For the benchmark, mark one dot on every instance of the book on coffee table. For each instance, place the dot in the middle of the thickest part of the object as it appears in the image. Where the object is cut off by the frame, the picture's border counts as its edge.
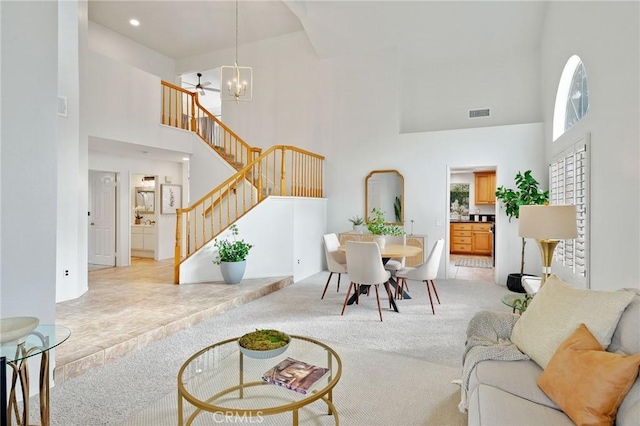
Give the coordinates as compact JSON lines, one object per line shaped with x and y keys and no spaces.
{"x":296,"y":375}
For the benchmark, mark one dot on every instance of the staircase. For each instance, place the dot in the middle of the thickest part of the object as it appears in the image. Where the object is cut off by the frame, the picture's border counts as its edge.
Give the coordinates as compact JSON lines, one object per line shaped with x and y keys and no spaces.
{"x":281,"y":170}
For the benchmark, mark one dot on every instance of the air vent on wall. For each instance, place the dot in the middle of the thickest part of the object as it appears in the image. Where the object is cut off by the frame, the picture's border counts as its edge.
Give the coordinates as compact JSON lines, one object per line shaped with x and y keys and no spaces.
{"x":478,"y":113}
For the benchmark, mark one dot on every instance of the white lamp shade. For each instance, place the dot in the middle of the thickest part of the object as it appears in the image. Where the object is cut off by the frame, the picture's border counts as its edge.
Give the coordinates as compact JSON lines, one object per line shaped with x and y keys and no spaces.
{"x":548,"y":222}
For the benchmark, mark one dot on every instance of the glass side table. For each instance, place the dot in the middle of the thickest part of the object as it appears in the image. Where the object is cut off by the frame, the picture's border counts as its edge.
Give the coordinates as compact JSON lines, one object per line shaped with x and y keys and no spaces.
{"x":517,"y":301}
{"x":39,"y":342}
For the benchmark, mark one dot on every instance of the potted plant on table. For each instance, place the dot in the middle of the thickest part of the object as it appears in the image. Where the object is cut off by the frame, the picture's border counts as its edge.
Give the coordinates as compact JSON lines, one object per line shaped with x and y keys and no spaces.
{"x":526,"y":193}
{"x":357,"y":222}
{"x":378,"y":226}
{"x":232,"y":257}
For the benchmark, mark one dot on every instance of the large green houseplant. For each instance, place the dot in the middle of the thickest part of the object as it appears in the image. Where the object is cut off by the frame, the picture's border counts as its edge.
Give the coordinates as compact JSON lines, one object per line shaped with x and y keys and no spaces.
{"x":526,"y":193}
{"x":232,"y":256}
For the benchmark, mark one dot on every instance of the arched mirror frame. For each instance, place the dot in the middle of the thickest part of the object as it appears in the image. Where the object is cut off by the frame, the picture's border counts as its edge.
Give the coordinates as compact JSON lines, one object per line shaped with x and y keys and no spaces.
{"x":391,"y":213}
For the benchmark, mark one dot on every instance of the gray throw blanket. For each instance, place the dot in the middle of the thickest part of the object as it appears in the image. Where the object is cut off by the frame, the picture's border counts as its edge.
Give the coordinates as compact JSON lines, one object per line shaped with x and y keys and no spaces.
{"x":488,"y":336}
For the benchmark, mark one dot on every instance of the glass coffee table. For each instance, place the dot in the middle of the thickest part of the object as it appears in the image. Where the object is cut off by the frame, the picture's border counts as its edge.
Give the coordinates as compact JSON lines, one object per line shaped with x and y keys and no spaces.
{"x":220,"y":383}
{"x":517,"y":301}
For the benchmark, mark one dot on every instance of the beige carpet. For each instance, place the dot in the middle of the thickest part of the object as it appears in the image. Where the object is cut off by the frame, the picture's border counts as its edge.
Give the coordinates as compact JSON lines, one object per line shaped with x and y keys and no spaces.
{"x":376,"y":388}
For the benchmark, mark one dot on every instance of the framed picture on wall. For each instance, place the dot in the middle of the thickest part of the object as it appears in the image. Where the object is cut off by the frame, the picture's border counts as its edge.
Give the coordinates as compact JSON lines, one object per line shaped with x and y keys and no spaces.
{"x":171,"y":198}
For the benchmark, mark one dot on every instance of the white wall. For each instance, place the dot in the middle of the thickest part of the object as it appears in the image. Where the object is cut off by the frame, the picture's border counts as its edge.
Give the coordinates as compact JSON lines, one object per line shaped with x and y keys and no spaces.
{"x":28,"y":168}
{"x":165,"y":223}
{"x":72,"y":151}
{"x":607,"y":38}
{"x":438,"y":95}
{"x":206,"y":170}
{"x":29,"y":51}
{"x":127,"y":51}
{"x":125,"y":105}
{"x":277,"y":247}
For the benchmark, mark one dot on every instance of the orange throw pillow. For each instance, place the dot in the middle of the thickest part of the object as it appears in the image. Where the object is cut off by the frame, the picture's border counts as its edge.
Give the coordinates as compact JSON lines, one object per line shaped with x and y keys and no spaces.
{"x":587,"y":382}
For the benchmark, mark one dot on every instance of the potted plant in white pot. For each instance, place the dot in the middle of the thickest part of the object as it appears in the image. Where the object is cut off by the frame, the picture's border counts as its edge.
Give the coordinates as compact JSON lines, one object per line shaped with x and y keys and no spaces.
{"x":357,"y":222}
{"x":526,"y":193}
{"x":378,"y":226}
{"x":232,"y":257}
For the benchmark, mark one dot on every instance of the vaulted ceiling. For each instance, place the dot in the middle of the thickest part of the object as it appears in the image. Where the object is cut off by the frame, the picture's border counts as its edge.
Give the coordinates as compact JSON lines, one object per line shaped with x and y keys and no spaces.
{"x":180,"y":29}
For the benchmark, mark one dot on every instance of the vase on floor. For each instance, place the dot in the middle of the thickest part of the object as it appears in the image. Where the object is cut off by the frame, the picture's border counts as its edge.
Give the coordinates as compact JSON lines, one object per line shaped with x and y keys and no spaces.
{"x":232,"y":272}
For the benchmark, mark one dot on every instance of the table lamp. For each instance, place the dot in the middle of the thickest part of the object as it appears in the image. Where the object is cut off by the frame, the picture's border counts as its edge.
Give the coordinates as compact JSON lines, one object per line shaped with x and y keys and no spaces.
{"x":548,"y":225}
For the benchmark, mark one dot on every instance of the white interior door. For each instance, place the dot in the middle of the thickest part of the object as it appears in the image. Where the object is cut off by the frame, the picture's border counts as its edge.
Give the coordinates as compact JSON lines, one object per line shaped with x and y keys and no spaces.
{"x":102,"y":218}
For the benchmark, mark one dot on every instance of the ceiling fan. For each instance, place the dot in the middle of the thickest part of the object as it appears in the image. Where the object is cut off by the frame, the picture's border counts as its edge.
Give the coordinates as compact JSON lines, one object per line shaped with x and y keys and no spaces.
{"x":201,"y":87}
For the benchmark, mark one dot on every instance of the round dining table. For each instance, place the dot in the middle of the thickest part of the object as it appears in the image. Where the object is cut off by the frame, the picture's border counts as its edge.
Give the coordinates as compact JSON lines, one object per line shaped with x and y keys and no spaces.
{"x":387,"y":252}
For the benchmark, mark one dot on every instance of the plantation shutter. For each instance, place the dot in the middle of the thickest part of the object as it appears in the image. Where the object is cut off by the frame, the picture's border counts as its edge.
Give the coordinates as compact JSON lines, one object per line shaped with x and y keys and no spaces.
{"x":569,"y":178}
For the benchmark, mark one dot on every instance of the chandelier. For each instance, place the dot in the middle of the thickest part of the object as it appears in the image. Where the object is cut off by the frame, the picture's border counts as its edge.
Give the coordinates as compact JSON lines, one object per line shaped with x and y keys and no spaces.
{"x":239,"y":86}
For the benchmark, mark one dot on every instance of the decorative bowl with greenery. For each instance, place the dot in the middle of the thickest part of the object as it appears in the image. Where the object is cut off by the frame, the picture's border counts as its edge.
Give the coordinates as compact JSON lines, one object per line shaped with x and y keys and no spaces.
{"x":377,"y":224}
{"x":231,"y":250}
{"x":264,"y":343}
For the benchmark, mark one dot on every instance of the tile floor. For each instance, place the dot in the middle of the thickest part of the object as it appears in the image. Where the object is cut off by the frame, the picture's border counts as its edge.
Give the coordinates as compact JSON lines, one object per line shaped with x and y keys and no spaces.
{"x":131,"y":307}
{"x":466,"y":273}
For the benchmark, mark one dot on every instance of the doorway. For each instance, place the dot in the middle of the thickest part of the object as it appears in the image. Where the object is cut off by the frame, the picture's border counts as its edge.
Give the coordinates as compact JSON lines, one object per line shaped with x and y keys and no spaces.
{"x":102,"y":219}
{"x":471,"y":212}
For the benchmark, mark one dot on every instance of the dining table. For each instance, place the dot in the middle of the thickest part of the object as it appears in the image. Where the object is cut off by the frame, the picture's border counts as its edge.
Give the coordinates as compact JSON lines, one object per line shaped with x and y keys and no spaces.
{"x":388,"y":251}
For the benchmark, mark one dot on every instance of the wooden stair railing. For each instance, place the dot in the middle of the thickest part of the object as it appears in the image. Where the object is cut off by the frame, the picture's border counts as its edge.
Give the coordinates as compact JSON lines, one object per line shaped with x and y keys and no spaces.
{"x":281,"y":170}
{"x":181,"y":108}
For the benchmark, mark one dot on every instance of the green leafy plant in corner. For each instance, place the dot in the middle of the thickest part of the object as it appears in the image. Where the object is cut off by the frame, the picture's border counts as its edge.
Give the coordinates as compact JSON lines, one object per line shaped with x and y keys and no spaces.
{"x":377,"y":224}
{"x":231,"y":250}
{"x":526,"y":193}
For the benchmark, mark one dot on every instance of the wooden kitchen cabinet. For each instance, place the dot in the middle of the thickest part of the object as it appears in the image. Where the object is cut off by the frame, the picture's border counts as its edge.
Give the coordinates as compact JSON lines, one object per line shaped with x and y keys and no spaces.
{"x":471,"y":238}
{"x":485,"y":188}
{"x":481,"y":238}
{"x":460,"y":236}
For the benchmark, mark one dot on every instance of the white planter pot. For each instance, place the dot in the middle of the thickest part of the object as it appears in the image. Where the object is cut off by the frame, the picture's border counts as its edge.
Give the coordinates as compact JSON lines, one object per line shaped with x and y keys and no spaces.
{"x":381,"y":241}
{"x":233,"y":271}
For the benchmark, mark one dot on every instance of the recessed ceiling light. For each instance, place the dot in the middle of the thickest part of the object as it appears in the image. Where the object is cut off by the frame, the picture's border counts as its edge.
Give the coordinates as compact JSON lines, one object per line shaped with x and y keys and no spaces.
{"x":185,"y":158}
{"x":134,"y":22}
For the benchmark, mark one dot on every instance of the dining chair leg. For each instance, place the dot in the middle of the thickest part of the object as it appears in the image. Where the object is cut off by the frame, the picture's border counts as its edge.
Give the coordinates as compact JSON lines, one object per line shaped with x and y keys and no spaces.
{"x":435,"y":291}
{"x":346,"y":299}
{"x":327,"y":284}
{"x":338,"y":288}
{"x":430,"y":299}
{"x":396,"y":292}
{"x":387,"y":287}
{"x":357,"y":288}
{"x":378,"y":299}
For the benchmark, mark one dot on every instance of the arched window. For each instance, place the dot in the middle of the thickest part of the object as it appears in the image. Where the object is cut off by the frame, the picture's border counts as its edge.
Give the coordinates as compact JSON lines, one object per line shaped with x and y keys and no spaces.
{"x":572,"y":99}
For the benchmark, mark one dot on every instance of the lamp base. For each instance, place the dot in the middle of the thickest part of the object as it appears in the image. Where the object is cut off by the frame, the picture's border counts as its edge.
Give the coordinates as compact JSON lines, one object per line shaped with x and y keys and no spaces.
{"x":546,"y":250}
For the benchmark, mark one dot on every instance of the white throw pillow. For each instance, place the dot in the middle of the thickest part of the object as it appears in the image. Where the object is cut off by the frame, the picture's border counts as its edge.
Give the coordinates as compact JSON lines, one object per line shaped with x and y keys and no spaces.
{"x":558,"y":309}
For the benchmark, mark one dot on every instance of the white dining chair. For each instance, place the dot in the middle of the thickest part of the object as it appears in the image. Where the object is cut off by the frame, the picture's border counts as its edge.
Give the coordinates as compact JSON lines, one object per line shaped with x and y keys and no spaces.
{"x":426,"y":272}
{"x":365,"y":268}
{"x":336,"y":260}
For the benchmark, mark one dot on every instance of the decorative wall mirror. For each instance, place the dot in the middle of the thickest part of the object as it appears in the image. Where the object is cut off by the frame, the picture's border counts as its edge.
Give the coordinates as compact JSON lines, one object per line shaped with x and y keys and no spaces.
{"x":384,"y":189}
{"x":145,"y":199}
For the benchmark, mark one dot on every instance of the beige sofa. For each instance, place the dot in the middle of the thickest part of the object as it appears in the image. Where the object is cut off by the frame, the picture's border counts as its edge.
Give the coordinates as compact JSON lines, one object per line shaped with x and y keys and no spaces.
{"x":506,"y":392}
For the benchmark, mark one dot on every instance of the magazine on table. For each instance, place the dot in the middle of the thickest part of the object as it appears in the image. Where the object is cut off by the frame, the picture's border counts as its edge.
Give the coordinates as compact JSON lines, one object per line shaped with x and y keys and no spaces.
{"x":295,"y":375}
